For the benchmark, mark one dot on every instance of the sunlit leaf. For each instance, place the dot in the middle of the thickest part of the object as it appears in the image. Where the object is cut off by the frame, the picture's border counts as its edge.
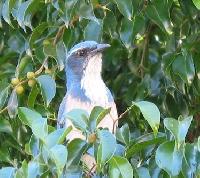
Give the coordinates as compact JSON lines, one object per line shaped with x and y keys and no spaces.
{"x":106,"y":148}
{"x":125,"y":7}
{"x":48,"y":87}
{"x":120,"y":167}
{"x":167,"y":153}
{"x":151,"y":113}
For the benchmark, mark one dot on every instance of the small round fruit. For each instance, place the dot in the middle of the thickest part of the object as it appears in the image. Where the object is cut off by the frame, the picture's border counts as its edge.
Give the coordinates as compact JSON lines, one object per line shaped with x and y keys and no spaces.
{"x":19,"y":89}
{"x":15,"y":81}
{"x":47,"y":71}
{"x":30,"y":75}
{"x":92,"y":138}
{"x":31,"y":83}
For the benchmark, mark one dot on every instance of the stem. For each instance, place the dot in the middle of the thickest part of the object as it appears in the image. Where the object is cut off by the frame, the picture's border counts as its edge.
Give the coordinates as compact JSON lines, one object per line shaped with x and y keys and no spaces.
{"x":59,"y":34}
{"x":4,"y":109}
{"x":42,"y":66}
{"x":121,"y":116}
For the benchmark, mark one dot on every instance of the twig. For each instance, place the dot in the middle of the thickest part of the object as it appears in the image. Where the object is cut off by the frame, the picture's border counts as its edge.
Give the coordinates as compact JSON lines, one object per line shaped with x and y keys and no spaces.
{"x":59,"y":34}
{"x":90,"y":171}
{"x":42,"y":66}
{"x":4,"y":109}
{"x":122,"y":115}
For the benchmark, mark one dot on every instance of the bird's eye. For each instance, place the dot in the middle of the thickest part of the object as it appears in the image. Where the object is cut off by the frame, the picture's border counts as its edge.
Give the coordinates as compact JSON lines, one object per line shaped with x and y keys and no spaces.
{"x":82,"y":53}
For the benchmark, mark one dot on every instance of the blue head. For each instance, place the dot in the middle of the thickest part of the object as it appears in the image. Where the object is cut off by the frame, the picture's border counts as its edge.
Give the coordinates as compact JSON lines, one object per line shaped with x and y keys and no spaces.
{"x":84,"y":59}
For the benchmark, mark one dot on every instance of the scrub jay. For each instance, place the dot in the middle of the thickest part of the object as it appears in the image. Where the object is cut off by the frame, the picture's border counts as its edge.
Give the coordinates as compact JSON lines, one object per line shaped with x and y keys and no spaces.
{"x":85,"y":86}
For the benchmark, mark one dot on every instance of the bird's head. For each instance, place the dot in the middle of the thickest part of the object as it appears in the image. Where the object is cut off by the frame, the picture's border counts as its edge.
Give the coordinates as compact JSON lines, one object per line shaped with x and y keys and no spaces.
{"x":85,"y":58}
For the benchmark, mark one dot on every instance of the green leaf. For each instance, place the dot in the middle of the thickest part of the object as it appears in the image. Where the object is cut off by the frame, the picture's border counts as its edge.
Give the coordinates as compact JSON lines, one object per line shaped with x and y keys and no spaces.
{"x":123,"y":134}
{"x":21,"y":13}
{"x":79,"y":118}
{"x":35,"y":121}
{"x":106,"y":148}
{"x":184,"y":67}
{"x":57,"y":137}
{"x":12,"y":104}
{"x":151,"y":113}
{"x":49,"y":48}
{"x":61,"y":54}
{"x":196,"y":3}
{"x":143,"y":172}
{"x":190,"y":160}
{"x":178,"y":128}
{"x":97,"y":114}
{"x":32,"y":147}
{"x":37,"y":32}
{"x":27,"y":116}
{"x":93,"y":31}
{"x":110,"y":19}
{"x":142,"y":144}
{"x":33,"y":169}
{"x":76,"y":148}
{"x":48,"y":87}
{"x":125,"y":7}
{"x":5,"y":126}
{"x":32,"y":96}
{"x":85,"y":10}
{"x":120,"y":167}
{"x":3,"y":96}
{"x":126,"y":32}
{"x":158,"y":12}
{"x":6,"y":10}
{"x":39,"y":128}
{"x":168,"y":158}
{"x":7,"y":172}
{"x":59,"y":154}
{"x":65,"y":9}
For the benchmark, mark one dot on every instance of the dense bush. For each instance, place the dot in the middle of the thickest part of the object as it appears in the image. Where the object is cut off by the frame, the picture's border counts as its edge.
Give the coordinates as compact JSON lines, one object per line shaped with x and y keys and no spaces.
{"x":154,"y":57}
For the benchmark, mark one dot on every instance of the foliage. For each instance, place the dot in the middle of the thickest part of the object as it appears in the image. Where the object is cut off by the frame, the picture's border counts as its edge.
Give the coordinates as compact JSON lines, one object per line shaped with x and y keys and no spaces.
{"x":154,"y":57}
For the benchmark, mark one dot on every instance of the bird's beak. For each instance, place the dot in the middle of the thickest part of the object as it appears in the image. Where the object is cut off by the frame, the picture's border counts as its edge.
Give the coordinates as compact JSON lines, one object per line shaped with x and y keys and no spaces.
{"x":100,"y":48}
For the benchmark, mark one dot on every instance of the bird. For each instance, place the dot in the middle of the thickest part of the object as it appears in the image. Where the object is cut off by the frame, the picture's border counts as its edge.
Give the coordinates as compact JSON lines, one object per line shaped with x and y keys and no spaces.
{"x":85,"y":87}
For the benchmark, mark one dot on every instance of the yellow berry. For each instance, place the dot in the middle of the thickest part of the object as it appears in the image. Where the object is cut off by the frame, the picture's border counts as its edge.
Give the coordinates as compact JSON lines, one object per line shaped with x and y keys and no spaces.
{"x":47,"y":71}
{"x":30,"y":75}
{"x":46,"y":42}
{"x":92,"y":138}
{"x":19,"y":89}
{"x":31,"y":82}
{"x":15,"y":81}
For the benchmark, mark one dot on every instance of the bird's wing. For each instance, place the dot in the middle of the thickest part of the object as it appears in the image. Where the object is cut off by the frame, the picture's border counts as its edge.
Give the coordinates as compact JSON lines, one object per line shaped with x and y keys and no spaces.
{"x":60,"y":118}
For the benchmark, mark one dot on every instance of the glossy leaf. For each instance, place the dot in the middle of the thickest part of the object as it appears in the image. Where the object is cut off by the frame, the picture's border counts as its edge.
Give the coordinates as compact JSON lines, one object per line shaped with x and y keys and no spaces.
{"x":196,"y":3}
{"x":79,"y":118}
{"x":167,"y":153}
{"x":106,"y":148}
{"x":48,"y":87}
{"x":57,"y":137}
{"x":7,"y":172}
{"x":6,"y":10}
{"x":178,"y":128}
{"x":59,"y":155}
{"x":97,"y":114}
{"x":93,"y":31}
{"x":151,"y":113}
{"x":27,"y":116}
{"x":158,"y":12}
{"x":120,"y":167}
{"x":123,"y":134}
{"x":3,"y":97}
{"x":5,"y":126}
{"x":125,"y":7}
{"x":12,"y":104}
{"x":190,"y":160}
{"x":76,"y":148}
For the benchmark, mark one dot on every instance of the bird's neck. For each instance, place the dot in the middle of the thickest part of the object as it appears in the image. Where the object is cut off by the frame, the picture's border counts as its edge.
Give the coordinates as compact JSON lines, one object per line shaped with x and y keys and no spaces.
{"x":91,"y":76}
